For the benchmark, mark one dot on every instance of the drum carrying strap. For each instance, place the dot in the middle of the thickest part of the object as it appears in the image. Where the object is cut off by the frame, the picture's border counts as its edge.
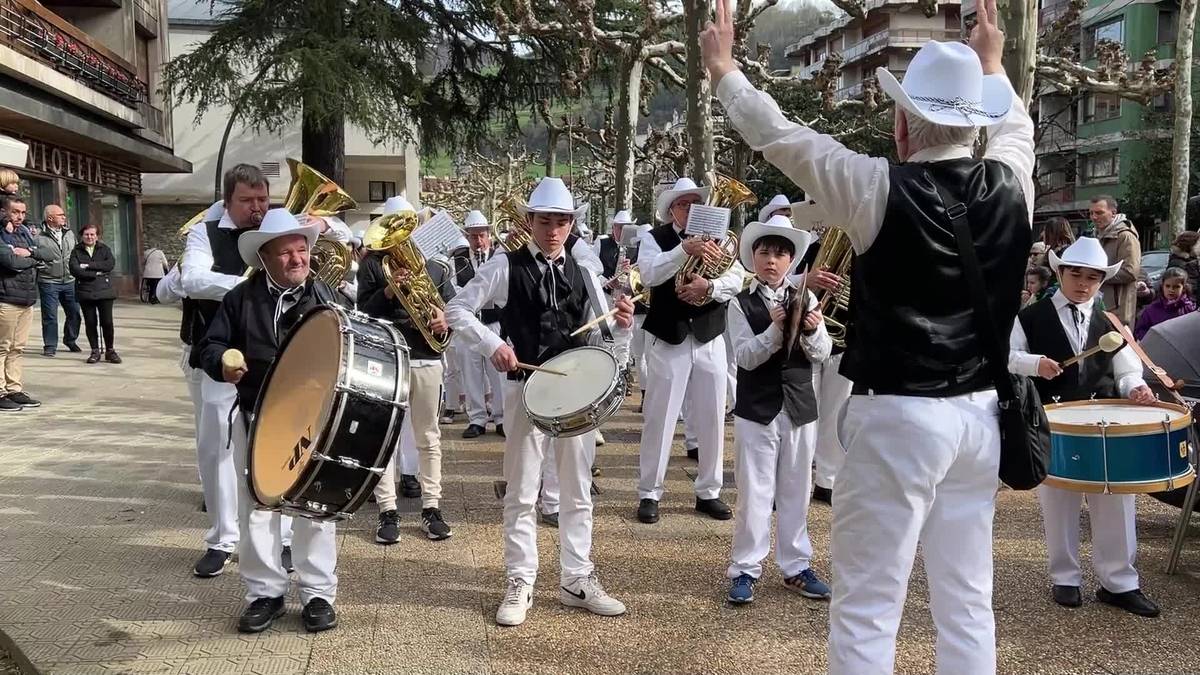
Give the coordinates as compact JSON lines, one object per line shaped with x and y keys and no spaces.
{"x":1164,"y":379}
{"x":594,"y":296}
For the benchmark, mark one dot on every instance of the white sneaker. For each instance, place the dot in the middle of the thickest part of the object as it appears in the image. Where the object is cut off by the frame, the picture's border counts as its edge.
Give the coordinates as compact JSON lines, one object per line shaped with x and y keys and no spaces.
{"x":586,"y":592}
{"x":599,"y":438}
{"x":518,"y":598}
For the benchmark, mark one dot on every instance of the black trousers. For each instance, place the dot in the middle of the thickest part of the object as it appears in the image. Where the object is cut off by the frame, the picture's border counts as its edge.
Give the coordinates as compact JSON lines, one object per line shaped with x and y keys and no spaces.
{"x":98,"y":312}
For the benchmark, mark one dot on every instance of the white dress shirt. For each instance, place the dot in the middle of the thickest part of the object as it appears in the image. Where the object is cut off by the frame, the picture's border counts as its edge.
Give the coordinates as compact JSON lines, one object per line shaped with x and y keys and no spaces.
{"x":1127,"y":369}
{"x":170,"y":288}
{"x":853,"y":188}
{"x":658,"y":267}
{"x":751,"y":351}
{"x":490,"y":287}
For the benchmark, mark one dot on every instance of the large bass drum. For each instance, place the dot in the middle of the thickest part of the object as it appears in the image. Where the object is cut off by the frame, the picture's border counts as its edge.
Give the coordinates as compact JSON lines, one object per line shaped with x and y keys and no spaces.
{"x":326,"y":423}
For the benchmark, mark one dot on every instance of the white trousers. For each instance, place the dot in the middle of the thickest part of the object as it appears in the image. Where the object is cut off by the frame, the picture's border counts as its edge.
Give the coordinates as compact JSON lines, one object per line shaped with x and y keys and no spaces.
{"x":454,"y":389}
{"x":918,"y":471}
{"x":695,"y":372}
{"x":833,"y":391}
{"x":219,"y":478}
{"x":421,"y":421}
{"x":550,"y":488}
{"x":479,"y":377}
{"x":525,"y":450}
{"x":1114,"y":537}
{"x":637,"y":348}
{"x":731,"y":373}
{"x":192,"y":378}
{"x":772,"y":463}
{"x":314,"y":546}
{"x":689,"y":427}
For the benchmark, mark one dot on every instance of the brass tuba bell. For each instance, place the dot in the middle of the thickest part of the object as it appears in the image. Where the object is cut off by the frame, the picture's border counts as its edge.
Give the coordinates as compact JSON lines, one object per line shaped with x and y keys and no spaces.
{"x":730,"y":194}
{"x":418,"y":294}
{"x":835,"y":255}
{"x":312,"y":194}
{"x":511,"y":228}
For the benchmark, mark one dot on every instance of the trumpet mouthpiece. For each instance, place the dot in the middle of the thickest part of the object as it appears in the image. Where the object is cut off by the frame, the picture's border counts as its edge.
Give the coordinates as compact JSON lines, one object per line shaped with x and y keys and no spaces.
{"x":1111,"y":341}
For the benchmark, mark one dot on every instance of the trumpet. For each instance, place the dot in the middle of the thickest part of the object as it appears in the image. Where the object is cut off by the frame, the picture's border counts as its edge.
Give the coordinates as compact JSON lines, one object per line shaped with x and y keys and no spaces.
{"x":727,"y":193}
{"x":510,"y":227}
{"x":417,"y":294}
{"x":312,"y":194}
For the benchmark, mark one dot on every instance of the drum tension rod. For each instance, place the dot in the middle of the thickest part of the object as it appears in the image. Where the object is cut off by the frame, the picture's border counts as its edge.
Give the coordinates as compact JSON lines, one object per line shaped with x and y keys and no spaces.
{"x":1166,"y":425}
{"x":1104,"y":449}
{"x":348,"y":462}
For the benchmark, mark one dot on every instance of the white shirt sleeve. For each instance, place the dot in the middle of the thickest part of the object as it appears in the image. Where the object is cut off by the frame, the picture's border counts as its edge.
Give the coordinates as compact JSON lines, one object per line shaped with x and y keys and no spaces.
{"x":338,"y":230}
{"x":1020,"y":361}
{"x":1011,"y":142}
{"x":169,"y":290}
{"x":655,"y":266}
{"x":586,"y":258}
{"x":489,"y":287}
{"x":195,"y":269}
{"x":749,"y":350}
{"x":1127,"y":370}
{"x":852,"y":188}
{"x":726,"y":286}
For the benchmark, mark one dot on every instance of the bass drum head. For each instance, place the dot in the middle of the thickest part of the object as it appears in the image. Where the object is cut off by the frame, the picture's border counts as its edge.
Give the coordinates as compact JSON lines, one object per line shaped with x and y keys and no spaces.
{"x":295,"y":405}
{"x":590,"y":371}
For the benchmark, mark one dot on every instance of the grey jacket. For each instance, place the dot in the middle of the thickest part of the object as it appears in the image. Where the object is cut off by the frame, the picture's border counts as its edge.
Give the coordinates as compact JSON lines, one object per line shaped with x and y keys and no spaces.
{"x":57,"y":271}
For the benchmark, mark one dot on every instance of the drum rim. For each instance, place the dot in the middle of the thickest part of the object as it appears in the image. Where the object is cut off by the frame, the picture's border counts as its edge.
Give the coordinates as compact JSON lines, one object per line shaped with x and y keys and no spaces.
{"x":1182,"y":479}
{"x":1070,"y":429}
{"x":614,"y":383}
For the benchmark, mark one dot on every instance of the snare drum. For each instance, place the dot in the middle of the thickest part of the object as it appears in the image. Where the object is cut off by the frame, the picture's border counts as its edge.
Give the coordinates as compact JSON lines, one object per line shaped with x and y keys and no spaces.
{"x":330,"y":411}
{"x":590,"y":393}
{"x":1114,"y":446}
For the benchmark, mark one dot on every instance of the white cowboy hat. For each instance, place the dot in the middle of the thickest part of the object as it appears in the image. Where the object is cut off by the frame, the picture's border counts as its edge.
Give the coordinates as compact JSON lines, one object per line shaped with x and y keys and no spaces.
{"x":475,"y":219}
{"x":277,"y":223}
{"x":397,"y":204}
{"x":684,"y":186}
{"x":945,"y":84}
{"x":775,"y":225}
{"x":622,"y":217}
{"x":1085,"y":252}
{"x":552,"y":196}
{"x":777,"y":202}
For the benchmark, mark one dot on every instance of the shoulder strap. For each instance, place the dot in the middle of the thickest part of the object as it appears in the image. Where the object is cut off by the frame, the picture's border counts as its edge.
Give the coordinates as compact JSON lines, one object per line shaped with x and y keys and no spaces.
{"x":985,"y":328}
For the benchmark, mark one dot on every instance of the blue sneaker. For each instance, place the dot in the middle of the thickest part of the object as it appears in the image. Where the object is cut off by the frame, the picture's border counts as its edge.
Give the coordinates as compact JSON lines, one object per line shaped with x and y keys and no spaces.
{"x":741,"y":589}
{"x":807,"y":584}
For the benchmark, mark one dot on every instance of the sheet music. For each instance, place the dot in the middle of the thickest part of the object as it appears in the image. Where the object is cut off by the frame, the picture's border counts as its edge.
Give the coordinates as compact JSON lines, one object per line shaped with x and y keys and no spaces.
{"x":438,"y":235}
{"x":708,"y":220}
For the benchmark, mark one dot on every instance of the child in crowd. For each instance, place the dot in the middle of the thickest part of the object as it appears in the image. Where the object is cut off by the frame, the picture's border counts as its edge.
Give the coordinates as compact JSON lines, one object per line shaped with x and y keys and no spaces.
{"x":1174,"y":298}
{"x":1037,"y":285}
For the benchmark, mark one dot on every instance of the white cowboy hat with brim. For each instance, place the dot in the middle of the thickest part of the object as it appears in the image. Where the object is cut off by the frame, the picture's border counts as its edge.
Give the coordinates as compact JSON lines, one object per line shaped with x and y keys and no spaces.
{"x":397,"y":204}
{"x":277,"y":223}
{"x":945,"y":84}
{"x":552,"y":196}
{"x":1085,"y":252}
{"x":683,"y":187}
{"x":778,"y":226}
{"x":622,"y":217}
{"x":475,"y":220}
{"x":777,"y":202}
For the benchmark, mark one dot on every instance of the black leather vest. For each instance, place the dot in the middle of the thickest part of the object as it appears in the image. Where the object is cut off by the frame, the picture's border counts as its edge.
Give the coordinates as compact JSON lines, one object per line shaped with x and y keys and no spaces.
{"x":671,"y":319}
{"x":610,"y":251}
{"x":782,"y":383}
{"x":538,"y":331}
{"x":1078,"y":381}
{"x":464,"y":272}
{"x":911,"y":328}
{"x":226,"y":260}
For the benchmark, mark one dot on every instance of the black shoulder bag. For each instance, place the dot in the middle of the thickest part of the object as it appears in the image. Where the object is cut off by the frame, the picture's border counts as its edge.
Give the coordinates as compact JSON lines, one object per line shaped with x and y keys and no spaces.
{"x":1024,"y":429}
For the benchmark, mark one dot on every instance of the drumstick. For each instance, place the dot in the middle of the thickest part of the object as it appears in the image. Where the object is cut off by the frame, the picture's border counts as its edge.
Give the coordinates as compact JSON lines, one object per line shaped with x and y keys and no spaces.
{"x":604,"y":317}
{"x":233,"y":359}
{"x":540,"y":369}
{"x":1109,"y":342}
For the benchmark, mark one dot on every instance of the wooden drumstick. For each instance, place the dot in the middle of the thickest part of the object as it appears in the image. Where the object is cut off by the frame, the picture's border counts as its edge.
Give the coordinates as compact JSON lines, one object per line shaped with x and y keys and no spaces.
{"x":540,"y":369}
{"x":604,"y":317}
{"x":1109,"y":342}
{"x":233,"y":359}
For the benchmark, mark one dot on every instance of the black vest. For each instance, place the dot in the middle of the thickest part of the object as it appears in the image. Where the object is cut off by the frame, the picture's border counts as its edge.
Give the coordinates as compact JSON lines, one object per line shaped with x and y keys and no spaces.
{"x":226,"y":260}
{"x":610,"y":252}
{"x":536,"y":329}
{"x":1078,"y":381}
{"x":464,"y":272}
{"x":911,"y":328}
{"x":671,"y":319}
{"x":782,"y":383}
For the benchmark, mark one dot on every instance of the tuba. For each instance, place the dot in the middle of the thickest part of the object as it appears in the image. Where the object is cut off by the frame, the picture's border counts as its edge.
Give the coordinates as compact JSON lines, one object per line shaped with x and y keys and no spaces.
{"x":730,"y":194}
{"x":836,"y":255}
{"x":510,"y":226}
{"x":417,"y":294}
{"x":312,"y":194}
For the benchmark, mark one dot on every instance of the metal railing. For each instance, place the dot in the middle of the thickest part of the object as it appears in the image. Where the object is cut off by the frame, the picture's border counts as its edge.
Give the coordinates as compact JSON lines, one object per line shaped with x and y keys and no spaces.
{"x":28,"y":27}
{"x":895,"y":37}
{"x":848,"y":92}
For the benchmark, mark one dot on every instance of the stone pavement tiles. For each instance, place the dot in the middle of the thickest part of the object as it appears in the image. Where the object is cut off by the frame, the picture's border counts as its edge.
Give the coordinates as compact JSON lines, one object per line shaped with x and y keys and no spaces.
{"x":101,"y":524}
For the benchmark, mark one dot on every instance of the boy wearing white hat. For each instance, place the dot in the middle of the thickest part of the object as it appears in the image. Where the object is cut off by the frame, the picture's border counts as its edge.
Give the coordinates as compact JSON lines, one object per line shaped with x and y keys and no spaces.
{"x":1046,"y":333}
{"x":921,"y":427}
{"x":543,"y":295}
{"x":477,"y":374}
{"x":775,"y":413}
{"x":253,"y":318}
{"x":685,"y":355}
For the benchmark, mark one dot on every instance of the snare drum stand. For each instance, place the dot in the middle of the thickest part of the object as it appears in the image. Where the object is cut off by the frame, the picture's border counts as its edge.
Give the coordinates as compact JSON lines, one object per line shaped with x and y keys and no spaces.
{"x":1189,"y":503}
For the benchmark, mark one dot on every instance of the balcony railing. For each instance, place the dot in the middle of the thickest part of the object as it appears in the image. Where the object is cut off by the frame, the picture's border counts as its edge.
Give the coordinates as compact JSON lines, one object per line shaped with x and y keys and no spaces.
{"x":848,"y":92}
{"x":896,"y":37}
{"x":28,"y":27}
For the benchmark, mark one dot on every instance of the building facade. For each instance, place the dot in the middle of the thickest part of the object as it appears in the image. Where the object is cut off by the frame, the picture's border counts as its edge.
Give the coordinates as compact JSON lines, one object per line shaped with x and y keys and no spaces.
{"x":80,"y":90}
{"x":374,"y":171}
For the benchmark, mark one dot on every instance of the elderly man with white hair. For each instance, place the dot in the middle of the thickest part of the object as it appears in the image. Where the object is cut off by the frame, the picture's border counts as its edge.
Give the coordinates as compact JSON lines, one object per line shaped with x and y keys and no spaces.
{"x":921,"y":427}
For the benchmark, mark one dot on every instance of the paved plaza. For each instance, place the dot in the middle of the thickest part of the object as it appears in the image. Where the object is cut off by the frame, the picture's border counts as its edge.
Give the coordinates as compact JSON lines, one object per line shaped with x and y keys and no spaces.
{"x":101,"y":524}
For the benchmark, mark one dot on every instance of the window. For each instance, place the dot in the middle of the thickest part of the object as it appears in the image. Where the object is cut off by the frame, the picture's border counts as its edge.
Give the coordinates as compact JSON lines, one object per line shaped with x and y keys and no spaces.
{"x":1101,"y":167}
{"x":380,"y":191}
{"x":1113,"y":31}
{"x":1168,"y":22}
{"x":1100,"y":107}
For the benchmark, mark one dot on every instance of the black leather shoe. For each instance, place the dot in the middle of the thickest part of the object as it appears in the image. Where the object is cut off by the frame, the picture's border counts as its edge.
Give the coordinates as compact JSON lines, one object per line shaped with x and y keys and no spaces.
{"x":714,"y":508}
{"x":73,"y":347}
{"x":500,"y":430}
{"x":648,"y":511}
{"x":822,"y":494}
{"x":473,"y":431}
{"x":1134,"y":602}
{"x":260,"y":615}
{"x":318,"y":615}
{"x":693,"y":453}
{"x":1067,"y":596}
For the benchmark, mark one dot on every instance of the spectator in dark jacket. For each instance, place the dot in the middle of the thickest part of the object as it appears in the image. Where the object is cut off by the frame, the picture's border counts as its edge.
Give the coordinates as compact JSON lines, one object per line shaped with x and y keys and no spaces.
{"x":1183,"y":255}
{"x":92,"y":262}
{"x":19,"y":258}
